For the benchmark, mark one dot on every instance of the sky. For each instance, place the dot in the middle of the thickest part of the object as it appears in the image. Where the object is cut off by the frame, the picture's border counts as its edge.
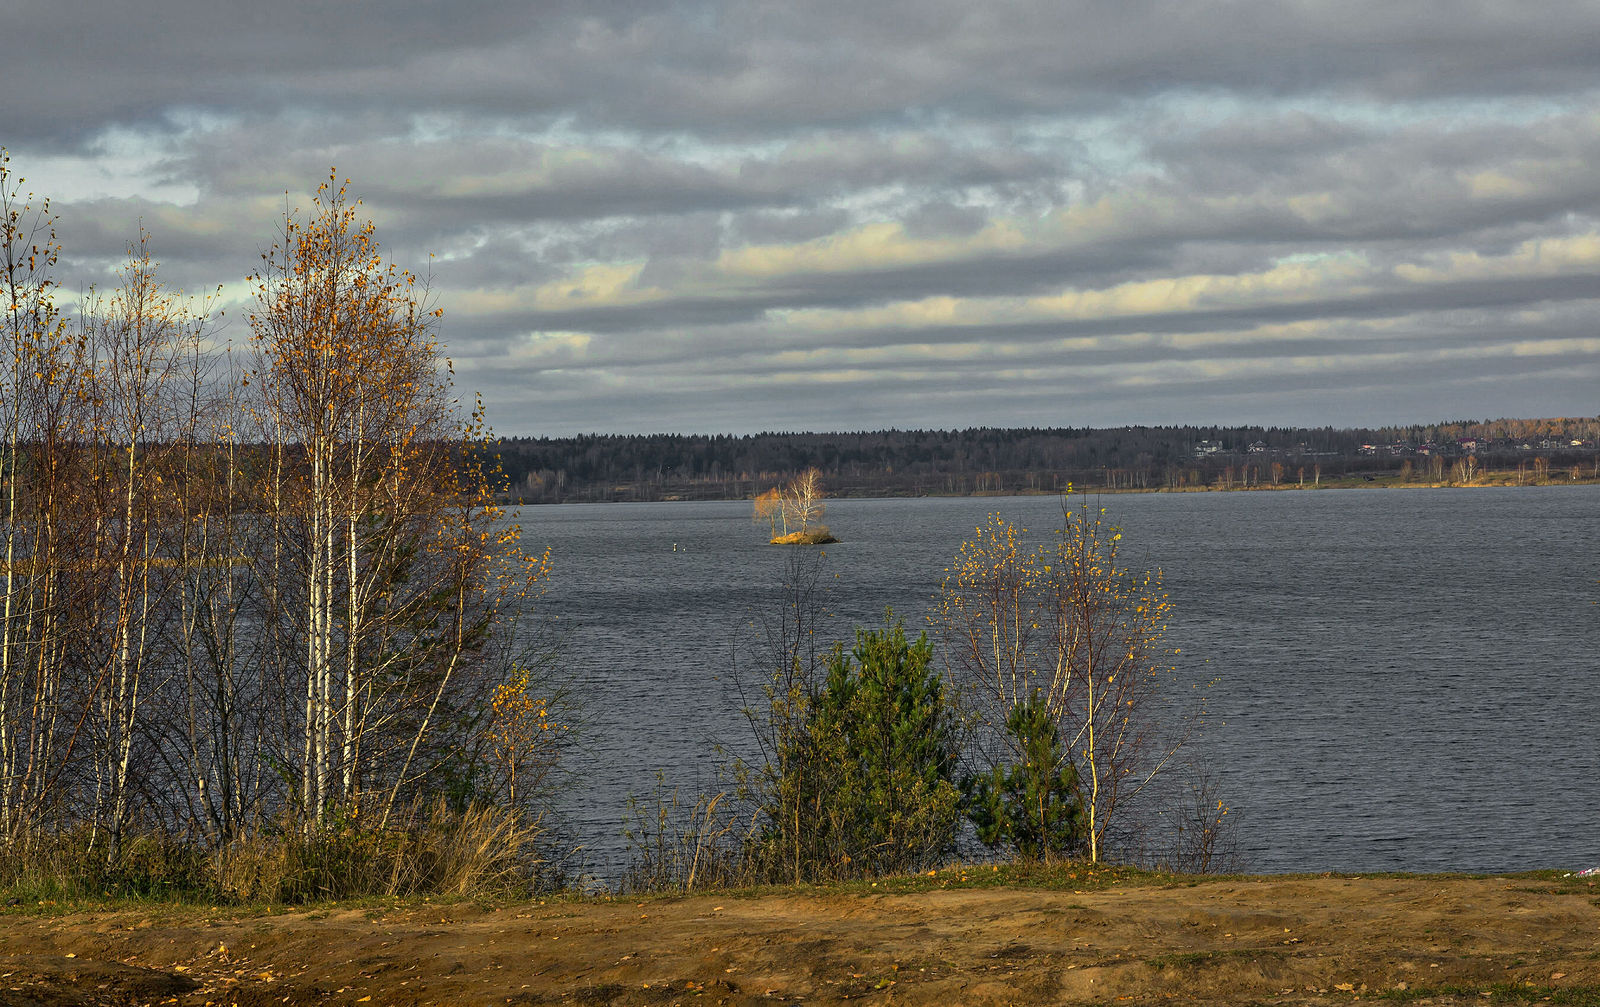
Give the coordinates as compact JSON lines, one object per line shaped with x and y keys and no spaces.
{"x":729,"y":217}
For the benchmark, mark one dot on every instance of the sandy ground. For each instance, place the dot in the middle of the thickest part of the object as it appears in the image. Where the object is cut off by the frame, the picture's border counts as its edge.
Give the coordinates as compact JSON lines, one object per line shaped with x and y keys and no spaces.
{"x":1253,"y":940}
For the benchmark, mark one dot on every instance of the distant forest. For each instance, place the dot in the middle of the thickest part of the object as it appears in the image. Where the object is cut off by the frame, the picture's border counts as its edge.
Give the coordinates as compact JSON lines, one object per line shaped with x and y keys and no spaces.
{"x":623,"y":467}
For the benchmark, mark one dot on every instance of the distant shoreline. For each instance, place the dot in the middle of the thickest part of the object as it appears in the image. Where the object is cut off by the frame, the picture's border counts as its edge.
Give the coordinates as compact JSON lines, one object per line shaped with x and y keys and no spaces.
{"x":1376,"y":483}
{"x":993,"y":461}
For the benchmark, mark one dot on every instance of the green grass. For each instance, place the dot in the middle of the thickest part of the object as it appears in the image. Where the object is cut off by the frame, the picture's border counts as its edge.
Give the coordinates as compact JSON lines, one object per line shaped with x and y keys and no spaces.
{"x":1069,"y":877}
{"x":1193,"y":958}
{"x":1056,"y":877}
{"x":1561,"y":996}
{"x":58,"y":895}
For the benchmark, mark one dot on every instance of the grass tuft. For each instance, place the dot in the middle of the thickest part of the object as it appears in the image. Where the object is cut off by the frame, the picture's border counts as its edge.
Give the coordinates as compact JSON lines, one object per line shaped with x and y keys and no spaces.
{"x":480,"y":852}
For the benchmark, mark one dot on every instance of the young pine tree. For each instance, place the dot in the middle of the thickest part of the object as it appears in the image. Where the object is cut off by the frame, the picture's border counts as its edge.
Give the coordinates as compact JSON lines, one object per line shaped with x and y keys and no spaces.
{"x":1032,"y":804}
{"x":878,"y":755}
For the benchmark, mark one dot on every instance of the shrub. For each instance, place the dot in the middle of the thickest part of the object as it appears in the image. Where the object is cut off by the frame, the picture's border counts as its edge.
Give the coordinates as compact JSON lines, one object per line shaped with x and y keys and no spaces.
{"x":75,"y":863}
{"x":481,"y":850}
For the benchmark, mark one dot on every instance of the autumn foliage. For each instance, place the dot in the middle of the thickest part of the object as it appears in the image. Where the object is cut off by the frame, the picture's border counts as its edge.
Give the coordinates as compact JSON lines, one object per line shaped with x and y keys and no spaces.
{"x":255,"y":591}
{"x":797,"y":508}
{"x":1072,"y":636}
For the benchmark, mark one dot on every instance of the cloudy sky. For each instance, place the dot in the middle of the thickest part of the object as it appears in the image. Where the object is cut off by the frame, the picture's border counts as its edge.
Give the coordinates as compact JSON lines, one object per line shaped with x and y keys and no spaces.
{"x":843,"y":214}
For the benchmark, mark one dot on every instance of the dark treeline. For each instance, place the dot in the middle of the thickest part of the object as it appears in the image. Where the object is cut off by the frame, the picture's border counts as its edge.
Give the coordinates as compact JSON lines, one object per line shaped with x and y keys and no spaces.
{"x":603,"y":467}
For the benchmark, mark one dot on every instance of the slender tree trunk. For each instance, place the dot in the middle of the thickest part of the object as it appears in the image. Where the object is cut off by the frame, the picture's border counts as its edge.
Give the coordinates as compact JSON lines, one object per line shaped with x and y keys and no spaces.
{"x":312,"y":783}
{"x":1094,"y":763}
{"x":352,"y":613}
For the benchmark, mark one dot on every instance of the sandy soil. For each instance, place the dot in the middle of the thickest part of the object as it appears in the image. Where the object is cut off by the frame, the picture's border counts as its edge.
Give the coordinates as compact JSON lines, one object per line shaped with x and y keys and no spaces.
{"x":1255,"y":940}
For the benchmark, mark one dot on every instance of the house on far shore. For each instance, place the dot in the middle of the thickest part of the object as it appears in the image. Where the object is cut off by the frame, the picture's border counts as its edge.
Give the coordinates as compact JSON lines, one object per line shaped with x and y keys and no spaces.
{"x":1204,"y":448}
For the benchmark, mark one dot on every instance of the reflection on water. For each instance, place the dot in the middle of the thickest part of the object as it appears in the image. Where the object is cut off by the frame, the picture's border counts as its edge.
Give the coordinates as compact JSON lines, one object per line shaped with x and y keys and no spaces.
{"x":1405,"y":678}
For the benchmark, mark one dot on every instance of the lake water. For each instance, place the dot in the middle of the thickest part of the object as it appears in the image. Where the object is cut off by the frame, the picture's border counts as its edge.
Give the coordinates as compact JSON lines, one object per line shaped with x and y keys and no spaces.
{"x":1405,"y":679}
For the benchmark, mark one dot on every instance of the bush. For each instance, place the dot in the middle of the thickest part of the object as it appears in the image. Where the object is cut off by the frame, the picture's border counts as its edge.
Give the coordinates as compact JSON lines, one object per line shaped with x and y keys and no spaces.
{"x":1033,"y":804}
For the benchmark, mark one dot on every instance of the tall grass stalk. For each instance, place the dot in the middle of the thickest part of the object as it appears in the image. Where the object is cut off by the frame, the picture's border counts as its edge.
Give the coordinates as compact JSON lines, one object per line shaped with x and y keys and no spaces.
{"x":682,"y":847}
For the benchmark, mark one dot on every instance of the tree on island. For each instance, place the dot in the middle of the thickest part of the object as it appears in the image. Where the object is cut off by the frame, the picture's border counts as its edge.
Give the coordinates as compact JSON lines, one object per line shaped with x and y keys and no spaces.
{"x":769,"y":507}
{"x":799,"y":503}
{"x":802,"y":499}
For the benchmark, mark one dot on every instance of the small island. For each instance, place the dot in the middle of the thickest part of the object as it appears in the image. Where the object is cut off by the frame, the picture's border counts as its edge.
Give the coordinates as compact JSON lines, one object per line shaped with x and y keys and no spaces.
{"x":814,"y":536}
{"x":794,"y":511}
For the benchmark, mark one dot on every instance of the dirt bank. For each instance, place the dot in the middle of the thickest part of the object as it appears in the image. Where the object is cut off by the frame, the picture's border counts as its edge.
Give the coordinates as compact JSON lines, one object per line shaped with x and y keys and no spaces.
{"x":1253,"y":940}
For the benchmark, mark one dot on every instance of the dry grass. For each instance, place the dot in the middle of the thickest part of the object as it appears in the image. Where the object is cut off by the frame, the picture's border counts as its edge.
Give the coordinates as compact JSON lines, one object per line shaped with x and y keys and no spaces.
{"x":814,"y":536}
{"x":482,"y":851}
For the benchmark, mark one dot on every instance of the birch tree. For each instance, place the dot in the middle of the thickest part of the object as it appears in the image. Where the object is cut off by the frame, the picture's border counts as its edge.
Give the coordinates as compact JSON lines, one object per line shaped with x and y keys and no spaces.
{"x":1070,"y":629}
{"x":138,"y":337}
{"x":1106,"y":625}
{"x":989,"y":620}
{"x":386,"y":523}
{"x":232,"y":591}
{"x":41,"y":369}
{"x":768,"y":507}
{"x":798,"y":503}
{"x":349,"y":392}
{"x":215,"y":733}
{"x":802,"y":500}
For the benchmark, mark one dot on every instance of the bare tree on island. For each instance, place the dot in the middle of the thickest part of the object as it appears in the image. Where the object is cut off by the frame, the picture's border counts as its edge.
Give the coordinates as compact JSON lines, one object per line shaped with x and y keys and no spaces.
{"x":802,"y":498}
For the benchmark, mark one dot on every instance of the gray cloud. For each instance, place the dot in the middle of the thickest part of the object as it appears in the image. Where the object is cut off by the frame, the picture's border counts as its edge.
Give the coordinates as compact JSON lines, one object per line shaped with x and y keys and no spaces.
{"x":733,"y":216}
{"x":761,"y":65}
{"x":658,"y":65}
